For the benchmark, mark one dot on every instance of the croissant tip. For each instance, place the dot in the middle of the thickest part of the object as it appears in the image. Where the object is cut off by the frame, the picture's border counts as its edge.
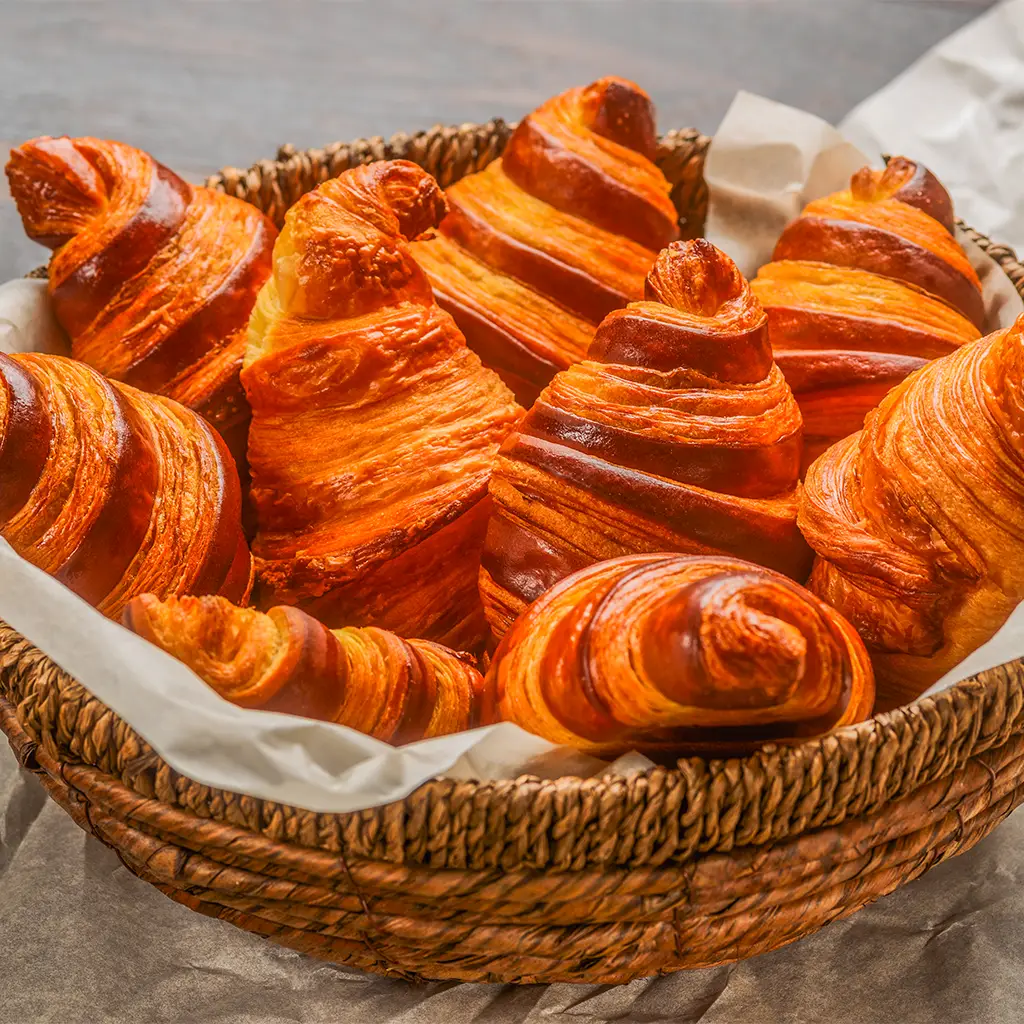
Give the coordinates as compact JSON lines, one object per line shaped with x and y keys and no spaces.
{"x":694,"y":276}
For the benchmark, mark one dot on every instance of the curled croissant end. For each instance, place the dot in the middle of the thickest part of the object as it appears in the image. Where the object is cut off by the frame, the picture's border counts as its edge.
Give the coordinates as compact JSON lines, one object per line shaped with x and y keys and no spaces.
{"x":367,"y":679}
{"x":374,"y":427}
{"x":677,"y":433}
{"x":865,"y":287}
{"x":918,"y":520}
{"x":113,"y":491}
{"x":342,"y":251}
{"x":559,"y":231}
{"x":674,"y":655}
{"x":152,"y":278}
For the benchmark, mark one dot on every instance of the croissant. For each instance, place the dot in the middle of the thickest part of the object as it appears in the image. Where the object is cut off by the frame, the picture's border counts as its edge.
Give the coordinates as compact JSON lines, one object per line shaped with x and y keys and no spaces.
{"x":918,"y":520}
{"x":152,"y":278}
{"x":677,"y":433}
{"x":558,"y":232}
{"x":374,"y":426}
{"x":867,"y":286}
{"x":368,"y":679}
{"x":673,"y":655}
{"x":113,"y":491}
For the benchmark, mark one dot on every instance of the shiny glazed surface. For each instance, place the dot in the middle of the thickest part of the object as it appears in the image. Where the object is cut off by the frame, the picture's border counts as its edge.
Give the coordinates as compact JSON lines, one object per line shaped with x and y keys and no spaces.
{"x":374,"y":426}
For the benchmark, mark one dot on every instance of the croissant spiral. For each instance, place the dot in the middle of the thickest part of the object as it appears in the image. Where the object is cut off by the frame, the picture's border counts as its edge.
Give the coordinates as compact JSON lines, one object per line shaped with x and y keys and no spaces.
{"x":867,"y":286}
{"x":558,"y":232}
{"x":374,"y":427}
{"x":368,"y":679}
{"x":677,"y":433}
{"x":113,"y":491}
{"x":673,"y":655}
{"x":918,"y":520}
{"x":152,"y":278}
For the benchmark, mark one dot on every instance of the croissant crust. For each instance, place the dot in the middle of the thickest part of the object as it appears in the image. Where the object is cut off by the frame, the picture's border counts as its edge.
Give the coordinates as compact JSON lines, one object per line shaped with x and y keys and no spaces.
{"x":374,"y":427}
{"x":676,"y":655}
{"x":558,"y":232}
{"x":866,"y":286}
{"x":367,"y":679}
{"x":152,"y":278}
{"x":677,"y":433}
{"x":113,"y":491}
{"x":918,"y":520}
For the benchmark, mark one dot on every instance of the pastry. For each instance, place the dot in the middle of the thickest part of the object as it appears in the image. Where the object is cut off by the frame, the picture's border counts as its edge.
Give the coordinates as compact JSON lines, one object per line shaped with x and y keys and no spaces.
{"x":674,"y":655}
{"x":918,"y":520}
{"x":374,"y":426}
{"x":152,"y":278}
{"x":540,"y":245}
{"x":866,"y":286}
{"x":113,"y":491}
{"x":367,"y":679}
{"x":676,"y":433}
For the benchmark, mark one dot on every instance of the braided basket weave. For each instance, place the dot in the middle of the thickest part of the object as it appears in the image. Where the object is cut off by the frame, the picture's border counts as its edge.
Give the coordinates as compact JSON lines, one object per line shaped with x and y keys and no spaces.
{"x":530,"y":881}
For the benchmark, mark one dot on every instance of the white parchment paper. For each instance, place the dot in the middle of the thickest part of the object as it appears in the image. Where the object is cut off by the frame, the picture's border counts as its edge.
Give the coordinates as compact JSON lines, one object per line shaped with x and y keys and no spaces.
{"x":767,"y":161}
{"x":960,"y":110}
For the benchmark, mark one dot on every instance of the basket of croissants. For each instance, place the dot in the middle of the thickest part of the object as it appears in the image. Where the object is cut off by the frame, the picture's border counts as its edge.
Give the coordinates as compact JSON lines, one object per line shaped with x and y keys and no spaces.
{"x":474,"y":426}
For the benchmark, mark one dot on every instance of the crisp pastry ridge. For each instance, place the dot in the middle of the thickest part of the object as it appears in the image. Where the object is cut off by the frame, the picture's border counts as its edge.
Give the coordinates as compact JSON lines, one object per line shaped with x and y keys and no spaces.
{"x":673,"y":655}
{"x":917,"y":521}
{"x":366,"y":678}
{"x":676,"y":433}
{"x":114,"y":491}
{"x":153,"y":278}
{"x":545,"y":241}
{"x":374,"y":426}
{"x":865,"y":287}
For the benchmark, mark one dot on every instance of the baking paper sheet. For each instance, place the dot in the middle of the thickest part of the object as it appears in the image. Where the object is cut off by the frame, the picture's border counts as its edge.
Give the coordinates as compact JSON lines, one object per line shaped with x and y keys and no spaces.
{"x":766,"y":162}
{"x":960,"y":109}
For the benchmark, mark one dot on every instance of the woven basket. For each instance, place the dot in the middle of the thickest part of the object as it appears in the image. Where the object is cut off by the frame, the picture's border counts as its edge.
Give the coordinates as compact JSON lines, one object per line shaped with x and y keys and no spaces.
{"x":539,"y":881}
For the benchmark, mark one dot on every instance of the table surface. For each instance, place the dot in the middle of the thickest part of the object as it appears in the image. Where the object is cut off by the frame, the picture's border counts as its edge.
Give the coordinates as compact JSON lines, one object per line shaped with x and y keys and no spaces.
{"x":202,"y":85}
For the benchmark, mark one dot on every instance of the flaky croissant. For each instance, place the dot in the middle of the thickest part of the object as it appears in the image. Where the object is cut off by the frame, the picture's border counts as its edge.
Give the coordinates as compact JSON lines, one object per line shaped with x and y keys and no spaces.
{"x":677,"y":655}
{"x":368,"y":679}
{"x":866,"y":286}
{"x":113,"y":491}
{"x":539,"y":246}
{"x":374,"y":426}
{"x":152,"y":278}
{"x":918,"y":520}
{"x":677,"y":433}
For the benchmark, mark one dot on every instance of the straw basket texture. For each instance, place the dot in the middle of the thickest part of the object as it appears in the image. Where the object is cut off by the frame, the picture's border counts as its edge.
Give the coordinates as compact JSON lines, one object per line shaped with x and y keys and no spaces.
{"x":529,"y":880}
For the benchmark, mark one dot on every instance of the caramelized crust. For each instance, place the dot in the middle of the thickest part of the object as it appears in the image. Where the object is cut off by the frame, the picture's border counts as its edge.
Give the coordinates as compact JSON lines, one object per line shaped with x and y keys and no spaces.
{"x":675,"y":655}
{"x":113,"y":491}
{"x":152,"y":278}
{"x":918,"y":520}
{"x":872,"y":284}
{"x":677,"y":433}
{"x":374,"y":427}
{"x":539,"y":246}
{"x":367,"y":679}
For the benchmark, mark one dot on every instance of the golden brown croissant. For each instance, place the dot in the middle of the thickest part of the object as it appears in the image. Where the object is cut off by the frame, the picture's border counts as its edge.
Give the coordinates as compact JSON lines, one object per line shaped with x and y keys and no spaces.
{"x":674,"y":655}
{"x":866,"y":287}
{"x":152,"y":278}
{"x":677,"y":433}
{"x":113,"y":491}
{"x":918,"y":520}
{"x":374,"y":427}
{"x":545,"y":241}
{"x":368,"y":679}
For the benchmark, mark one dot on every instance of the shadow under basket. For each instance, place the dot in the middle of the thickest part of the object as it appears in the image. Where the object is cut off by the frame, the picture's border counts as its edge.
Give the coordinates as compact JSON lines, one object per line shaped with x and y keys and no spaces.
{"x":529,"y":880}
